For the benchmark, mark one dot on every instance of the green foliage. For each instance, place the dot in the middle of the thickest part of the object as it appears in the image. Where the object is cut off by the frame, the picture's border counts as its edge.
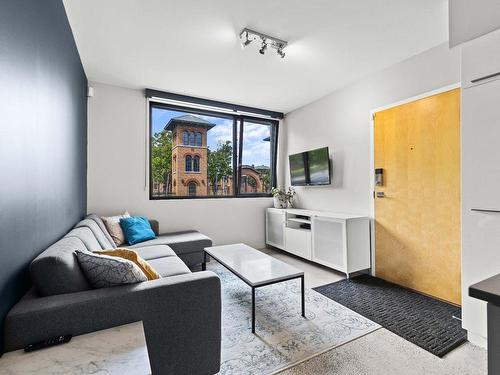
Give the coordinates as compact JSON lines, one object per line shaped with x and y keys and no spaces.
{"x":284,"y":195}
{"x":220,"y":163}
{"x":266,"y":180}
{"x":251,"y":181}
{"x":161,"y":157}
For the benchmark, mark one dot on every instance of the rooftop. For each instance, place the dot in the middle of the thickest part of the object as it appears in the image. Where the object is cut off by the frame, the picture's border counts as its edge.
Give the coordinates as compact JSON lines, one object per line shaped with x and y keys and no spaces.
{"x":188,"y":120}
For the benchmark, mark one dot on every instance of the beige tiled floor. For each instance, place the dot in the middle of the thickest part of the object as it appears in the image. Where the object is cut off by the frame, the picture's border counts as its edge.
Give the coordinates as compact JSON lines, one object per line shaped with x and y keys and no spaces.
{"x":380,"y":352}
{"x":314,"y":274}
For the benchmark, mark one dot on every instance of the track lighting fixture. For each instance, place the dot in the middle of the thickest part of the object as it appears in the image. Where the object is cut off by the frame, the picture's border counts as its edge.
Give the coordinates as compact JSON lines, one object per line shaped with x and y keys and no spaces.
{"x":247,"y":36}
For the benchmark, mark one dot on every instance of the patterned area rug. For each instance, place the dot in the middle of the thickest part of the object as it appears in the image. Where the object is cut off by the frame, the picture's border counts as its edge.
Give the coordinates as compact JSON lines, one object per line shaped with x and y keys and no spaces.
{"x":422,"y":320}
{"x":283,"y":337}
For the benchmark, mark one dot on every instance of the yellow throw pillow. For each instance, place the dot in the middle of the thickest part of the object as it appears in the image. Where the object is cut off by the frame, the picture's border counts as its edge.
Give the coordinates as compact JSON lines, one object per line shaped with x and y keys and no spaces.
{"x":131,"y":255}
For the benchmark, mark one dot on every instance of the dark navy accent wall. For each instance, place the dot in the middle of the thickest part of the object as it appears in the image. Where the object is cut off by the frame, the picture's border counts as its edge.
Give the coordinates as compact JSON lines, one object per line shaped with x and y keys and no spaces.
{"x":43,"y":138}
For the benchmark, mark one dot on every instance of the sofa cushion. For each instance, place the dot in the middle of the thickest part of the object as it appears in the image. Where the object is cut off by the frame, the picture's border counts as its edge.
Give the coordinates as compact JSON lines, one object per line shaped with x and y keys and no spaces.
{"x":101,"y":225}
{"x":181,"y":242}
{"x":98,"y":233}
{"x":154,"y":252}
{"x":193,"y":259}
{"x":169,"y":266}
{"x":105,"y":271}
{"x":56,"y":270}
{"x":86,"y":236}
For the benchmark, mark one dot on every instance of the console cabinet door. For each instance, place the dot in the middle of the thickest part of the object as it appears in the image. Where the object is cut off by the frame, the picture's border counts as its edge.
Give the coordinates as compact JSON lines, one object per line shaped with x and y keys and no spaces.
{"x":329,"y":242}
{"x":275,"y":223}
{"x":298,"y":242}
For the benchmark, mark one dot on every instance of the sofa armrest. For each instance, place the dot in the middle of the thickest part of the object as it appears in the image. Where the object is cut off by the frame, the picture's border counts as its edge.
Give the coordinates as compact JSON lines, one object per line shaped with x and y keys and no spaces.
{"x":181,"y":317}
{"x":155,"y":226}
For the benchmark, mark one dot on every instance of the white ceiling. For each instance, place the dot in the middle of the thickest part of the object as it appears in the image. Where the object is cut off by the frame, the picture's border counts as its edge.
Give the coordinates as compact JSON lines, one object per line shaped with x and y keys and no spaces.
{"x":191,"y":47}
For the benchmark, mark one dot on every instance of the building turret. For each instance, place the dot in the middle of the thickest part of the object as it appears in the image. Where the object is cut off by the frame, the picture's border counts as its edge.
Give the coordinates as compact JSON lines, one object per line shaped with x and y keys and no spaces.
{"x":189,"y":155}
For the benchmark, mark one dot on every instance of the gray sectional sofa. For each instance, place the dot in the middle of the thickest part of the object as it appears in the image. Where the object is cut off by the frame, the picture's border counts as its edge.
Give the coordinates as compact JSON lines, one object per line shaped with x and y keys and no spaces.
{"x":181,"y":312}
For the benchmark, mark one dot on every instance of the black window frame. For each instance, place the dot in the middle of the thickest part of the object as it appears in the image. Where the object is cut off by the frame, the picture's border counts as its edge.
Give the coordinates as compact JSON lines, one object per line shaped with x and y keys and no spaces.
{"x":191,"y":184}
{"x":237,"y":144}
{"x":188,"y":165}
{"x":196,"y":164}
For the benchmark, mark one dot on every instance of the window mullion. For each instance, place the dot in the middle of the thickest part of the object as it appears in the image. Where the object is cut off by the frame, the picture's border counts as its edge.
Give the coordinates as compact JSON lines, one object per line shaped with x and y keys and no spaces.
{"x":235,"y":155}
{"x":240,"y":154}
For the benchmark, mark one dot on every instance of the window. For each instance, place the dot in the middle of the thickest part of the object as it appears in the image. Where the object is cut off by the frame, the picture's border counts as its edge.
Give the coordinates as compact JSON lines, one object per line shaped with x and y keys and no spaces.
{"x":235,"y":154}
{"x":189,"y":165}
{"x":192,"y":189}
{"x":256,"y":157}
{"x":196,"y":164}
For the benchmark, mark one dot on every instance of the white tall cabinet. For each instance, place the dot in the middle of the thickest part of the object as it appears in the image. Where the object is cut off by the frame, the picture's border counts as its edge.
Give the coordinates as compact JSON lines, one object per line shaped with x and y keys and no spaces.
{"x":480,"y":175}
{"x":338,"y":241}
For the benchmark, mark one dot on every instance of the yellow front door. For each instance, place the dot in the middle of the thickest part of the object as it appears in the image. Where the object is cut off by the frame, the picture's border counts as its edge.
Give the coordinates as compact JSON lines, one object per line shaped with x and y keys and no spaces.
{"x":417,"y":209}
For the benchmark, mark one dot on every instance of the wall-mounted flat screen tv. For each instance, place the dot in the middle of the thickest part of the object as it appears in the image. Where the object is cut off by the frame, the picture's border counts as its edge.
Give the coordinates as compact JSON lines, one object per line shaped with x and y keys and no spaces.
{"x":310,"y":168}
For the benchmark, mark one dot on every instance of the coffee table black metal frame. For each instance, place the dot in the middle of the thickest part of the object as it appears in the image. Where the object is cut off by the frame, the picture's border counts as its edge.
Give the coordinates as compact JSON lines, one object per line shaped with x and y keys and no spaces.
{"x":301,"y":277}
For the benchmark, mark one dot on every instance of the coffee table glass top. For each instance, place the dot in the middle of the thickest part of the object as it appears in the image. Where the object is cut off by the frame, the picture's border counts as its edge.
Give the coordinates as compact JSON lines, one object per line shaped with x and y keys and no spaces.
{"x":251,"y":265}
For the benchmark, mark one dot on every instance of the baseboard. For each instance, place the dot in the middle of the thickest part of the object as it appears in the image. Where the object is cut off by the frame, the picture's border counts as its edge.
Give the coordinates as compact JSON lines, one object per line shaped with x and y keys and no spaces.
{"x":477,"y":340}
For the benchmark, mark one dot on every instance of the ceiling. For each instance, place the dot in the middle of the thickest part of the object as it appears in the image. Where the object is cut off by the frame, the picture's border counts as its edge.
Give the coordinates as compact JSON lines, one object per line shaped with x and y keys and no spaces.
{"x":191,"y":47}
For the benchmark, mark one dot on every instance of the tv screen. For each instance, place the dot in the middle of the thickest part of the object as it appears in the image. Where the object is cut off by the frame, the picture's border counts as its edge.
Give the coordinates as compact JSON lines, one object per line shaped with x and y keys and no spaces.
{"x":297,"y":169}
{"x":310,"y":167}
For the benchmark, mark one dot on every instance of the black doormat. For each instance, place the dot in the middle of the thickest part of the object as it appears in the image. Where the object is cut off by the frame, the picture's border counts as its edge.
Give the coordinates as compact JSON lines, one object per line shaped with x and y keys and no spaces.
{"x":424,"y":321}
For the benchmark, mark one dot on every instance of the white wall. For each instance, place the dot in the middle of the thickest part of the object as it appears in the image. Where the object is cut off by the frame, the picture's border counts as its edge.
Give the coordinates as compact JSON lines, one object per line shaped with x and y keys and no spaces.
{"x":117,"y":170}
{"x":341,"y":121}
{"x":471,"y":19}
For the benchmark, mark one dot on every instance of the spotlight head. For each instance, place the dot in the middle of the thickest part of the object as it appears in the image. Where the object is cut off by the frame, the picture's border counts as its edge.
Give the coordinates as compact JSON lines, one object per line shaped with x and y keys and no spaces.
{"x":247,"y":40}
{"x":280,"y":52}
{"x":262,"y":49}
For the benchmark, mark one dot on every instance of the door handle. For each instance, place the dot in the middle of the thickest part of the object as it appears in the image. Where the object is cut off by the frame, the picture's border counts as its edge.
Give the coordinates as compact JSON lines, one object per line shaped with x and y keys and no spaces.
{"x":485,"y":77}
{"x":485,"y":210}
{"x":380,"y":194}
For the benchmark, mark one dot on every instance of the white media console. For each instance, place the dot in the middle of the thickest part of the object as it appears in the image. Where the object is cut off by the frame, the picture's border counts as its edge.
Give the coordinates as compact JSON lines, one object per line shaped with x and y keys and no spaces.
{"x":338,"y":241}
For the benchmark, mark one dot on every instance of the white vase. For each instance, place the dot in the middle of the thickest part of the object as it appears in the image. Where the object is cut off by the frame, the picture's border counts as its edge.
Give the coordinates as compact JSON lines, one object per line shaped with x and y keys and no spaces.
{"x":279,"y":203}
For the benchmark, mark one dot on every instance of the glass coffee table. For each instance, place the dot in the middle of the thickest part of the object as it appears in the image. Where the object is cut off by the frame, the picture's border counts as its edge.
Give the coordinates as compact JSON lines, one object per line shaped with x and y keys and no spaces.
{"x":255,"y":268}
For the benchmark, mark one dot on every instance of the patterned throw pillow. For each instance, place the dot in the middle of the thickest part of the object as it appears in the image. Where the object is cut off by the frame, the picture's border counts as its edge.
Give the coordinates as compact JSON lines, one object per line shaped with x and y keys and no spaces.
{"x":103,"y":271}
{"x":112,"y":224}
{"x":131,"y":255}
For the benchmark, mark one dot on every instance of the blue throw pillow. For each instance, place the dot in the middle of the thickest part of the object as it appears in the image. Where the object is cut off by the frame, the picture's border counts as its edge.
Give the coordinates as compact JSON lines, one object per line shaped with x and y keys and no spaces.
{"x":136,"y":229}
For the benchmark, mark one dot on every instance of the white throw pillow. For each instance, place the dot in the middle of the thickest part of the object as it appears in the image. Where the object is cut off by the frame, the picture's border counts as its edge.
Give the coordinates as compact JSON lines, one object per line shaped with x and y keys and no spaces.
{"x":112,"y":224}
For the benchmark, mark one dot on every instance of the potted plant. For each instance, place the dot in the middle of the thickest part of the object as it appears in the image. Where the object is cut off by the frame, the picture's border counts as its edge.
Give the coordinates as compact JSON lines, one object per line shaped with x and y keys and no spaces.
{"x":282,"y":198}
